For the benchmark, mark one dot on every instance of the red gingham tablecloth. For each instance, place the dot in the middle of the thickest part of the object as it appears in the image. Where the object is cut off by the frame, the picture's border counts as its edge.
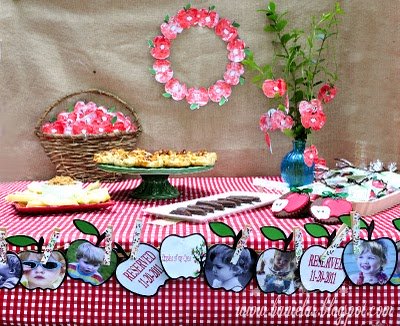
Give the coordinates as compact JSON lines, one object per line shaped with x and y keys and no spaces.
{"x":186,"y":301}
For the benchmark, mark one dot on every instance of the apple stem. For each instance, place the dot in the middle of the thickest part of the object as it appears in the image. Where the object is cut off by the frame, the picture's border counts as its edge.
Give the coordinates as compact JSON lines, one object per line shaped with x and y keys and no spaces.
{"x":100,"y":239}
{"x":120,"y":250}
{"x":40,"y":245}
{"x":236,"y":239}
{"x":331,"y":237}
{"x":287,"y":241}
{"x":370,"y":229}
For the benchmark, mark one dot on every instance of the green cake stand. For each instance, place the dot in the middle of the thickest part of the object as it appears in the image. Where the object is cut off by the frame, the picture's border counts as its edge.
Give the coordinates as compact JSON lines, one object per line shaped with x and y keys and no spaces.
{"x":154,"y":184}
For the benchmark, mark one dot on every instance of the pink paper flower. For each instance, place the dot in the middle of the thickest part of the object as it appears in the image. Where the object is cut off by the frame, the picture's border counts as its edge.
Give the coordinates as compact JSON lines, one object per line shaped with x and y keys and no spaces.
{"x":161,"y":47}
{"x":171,"y":29}
{"x":219,"y":90}
{"x":313,"y":106}
{"x":310,"y":155}
{"x":272,"y":88}
{"x":207,"y":18}
{"x":177,"y":90}
{"x":280,"y":120}
{"x":315,"y":121}
{"x":163,"y":71}
{"x":236,"y":50}
{"x":187,"y":17}
{"x":197,"y":96}
{"x":233,"y":72}
{"x":327,"y":93}
{"x":225,"y":30}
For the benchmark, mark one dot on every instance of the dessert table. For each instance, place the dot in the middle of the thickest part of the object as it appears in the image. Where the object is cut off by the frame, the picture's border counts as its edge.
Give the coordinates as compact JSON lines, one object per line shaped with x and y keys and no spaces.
{"x":186,"y":301}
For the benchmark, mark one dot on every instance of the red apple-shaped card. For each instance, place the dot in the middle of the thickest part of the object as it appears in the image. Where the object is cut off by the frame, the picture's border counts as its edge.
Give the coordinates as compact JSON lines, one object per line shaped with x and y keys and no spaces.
{"x":374,"y":262}
{"x":395,"y":279}
{"x":87,"y":260}
{"x":10,"y":264}
{"x":318,"y":270}
{"x":292,"y":204}
{"x":229,"y":267}
{"x":276,"y":268}
{"x":141,"y":272}
{"x":330,"y":207}
{"x":183,"y":256}
{"x":37,"y":274}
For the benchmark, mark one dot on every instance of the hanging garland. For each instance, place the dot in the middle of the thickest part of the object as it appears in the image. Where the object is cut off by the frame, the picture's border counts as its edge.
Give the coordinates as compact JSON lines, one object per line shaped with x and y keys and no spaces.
{"x":160,"y":50}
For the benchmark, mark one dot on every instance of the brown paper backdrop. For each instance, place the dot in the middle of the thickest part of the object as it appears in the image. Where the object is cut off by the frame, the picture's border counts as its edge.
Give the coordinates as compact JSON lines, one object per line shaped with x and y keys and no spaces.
{"x":52,"y":48}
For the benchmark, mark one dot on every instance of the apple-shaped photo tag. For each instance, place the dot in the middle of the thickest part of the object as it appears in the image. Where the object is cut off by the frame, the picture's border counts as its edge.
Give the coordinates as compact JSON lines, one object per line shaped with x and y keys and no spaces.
{"x":330,"y":207}
{"x":229,"y":268}
{"x":292,"y":204}
{"x":395,"y":279}
{"x":87,"y":261}
{"x":183,"y":256}
{"x":321,"y":268}
{"x":44,"y":270}
{"x":376,"y":260}
{"x":276,"y":268}
{"x":10,"y":264}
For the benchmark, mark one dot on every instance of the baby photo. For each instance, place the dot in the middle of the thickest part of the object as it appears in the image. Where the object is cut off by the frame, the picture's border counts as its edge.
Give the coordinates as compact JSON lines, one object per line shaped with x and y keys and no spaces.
{"x":10,"y":272}
{"x":276,"y":271}
{"x":375,"y":263}
{"x":85,"y":262}
{"x":395,"y":279}
{"x":221,"y":273}
{"x":43,"y":276}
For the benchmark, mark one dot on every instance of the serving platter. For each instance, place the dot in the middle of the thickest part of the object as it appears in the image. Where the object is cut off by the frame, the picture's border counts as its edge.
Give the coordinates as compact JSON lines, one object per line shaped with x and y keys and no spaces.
{"x":155,"y":184}
{"x":165,"y":210}
{"x":61,"y":209}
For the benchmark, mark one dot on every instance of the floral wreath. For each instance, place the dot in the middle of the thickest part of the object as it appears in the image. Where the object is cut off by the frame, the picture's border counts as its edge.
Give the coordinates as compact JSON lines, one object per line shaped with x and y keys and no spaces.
{"x":160,"y":50}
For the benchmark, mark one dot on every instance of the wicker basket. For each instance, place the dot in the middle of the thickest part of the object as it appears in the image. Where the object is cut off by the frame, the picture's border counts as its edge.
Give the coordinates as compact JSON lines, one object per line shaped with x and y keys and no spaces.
{"x":73,"y":154}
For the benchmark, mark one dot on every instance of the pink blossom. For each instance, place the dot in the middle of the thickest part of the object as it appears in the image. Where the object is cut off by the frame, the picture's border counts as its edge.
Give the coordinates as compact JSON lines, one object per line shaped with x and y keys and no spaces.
{"x":313,"y":106}
{"x":177,"y":90}
{"x":310,"y":155}
{"x":187,"y":17}
{"x":171,"y":29}
{"x":197,"y":96}
{"x":272,"y":88}
{"x":161,"y":47}
{"x":225,"y":30}
{"x":207,"y":18}
{"x":280,"y":120}
{"x":265,"y":122}
{"x":219,"y":90}
{"x":327,"y":93}
{"x":163,"y":71}
{"x":233,"y":72}
{"x":56,"y":127}
{"x":315,"y":121}
{"x":236,"y":50}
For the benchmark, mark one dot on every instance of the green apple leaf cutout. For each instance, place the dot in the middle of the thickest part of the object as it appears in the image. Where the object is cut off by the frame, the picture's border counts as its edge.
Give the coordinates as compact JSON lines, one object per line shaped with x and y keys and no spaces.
{"x":346,"y":219}
{"x":21,"y":241}
{"x":396,"y":223}
{"x":88,"y":228}
{"x":224,"y":230}
{"x":319,"y":231}
{"x":275,"y":234}
{"x":25,"y":241}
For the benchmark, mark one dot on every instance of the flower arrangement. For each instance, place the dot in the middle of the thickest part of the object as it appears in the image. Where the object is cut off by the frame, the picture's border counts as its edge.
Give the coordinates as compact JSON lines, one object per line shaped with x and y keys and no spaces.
{"x":88,"y":119}
{"x":161,"y":45}
{"x":301,"y":80}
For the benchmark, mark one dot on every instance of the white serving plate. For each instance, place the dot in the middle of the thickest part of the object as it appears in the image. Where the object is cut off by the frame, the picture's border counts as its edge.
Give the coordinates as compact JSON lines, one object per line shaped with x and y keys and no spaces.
{"x":372,"y":207}
{"x":164,"y":210}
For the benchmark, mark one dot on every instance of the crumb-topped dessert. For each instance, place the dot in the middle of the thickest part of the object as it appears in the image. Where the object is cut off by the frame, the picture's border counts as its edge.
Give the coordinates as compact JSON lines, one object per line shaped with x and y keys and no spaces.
{"x":158,"y":159}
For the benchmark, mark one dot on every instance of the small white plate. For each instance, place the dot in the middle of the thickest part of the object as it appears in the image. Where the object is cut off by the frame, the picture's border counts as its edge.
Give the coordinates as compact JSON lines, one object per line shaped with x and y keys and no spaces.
{"x":165,"y":210}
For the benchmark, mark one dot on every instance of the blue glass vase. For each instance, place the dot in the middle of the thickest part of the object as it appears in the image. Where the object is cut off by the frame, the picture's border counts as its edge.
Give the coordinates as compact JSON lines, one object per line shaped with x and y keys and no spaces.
{"x":294,"y":170}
